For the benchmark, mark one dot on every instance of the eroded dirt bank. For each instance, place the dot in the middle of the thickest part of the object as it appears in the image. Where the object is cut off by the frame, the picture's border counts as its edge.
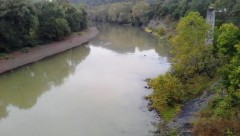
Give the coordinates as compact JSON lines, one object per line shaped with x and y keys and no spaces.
{"x":19,"y":58}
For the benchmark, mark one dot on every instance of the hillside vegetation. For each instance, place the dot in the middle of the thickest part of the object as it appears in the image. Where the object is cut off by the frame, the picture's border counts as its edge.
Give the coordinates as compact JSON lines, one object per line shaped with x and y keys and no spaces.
{"x":141,"y":12}
{"x":196,"y":67}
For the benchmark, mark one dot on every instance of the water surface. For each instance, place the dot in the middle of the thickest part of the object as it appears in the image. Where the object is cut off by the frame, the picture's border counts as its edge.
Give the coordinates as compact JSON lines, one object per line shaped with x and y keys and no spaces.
{"x":94,"y":90}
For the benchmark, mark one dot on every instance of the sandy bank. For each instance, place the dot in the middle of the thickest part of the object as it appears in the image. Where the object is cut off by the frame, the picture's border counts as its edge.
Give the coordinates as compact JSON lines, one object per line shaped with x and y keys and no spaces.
{"x":37,"y":53}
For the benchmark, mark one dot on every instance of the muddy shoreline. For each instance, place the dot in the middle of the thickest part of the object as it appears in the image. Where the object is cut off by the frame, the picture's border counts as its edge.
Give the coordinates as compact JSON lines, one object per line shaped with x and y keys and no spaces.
{"x":19,"y":59}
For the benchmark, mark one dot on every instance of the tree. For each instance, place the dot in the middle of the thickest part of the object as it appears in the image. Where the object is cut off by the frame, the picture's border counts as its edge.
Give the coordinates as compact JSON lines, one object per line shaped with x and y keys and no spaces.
{"x":55,"y":29}
{"x":231,"y":72}
{"x":52,"y":22}
{"x":84,"y":17}
{"x":139,"y":12}
{"x":190,"y":53}
{"x":119,"y":12}
{"x":229,"y":36}
{"x":168,"y":91}
{"x":178,"y":8}
{"x":17,"y":18}
{"x":74,"y":17}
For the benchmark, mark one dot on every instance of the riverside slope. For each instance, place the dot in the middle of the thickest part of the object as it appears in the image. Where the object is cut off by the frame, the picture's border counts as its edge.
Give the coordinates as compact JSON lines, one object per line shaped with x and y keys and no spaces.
{"x":37,"y":53}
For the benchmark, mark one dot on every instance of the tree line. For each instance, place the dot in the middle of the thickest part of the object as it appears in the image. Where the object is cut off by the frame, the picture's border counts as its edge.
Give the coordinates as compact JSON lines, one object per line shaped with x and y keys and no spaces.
{"x":135,"y":13}
{"x":140,"y":12}
{"x":102,"y":2}
{"x":26,"y":24}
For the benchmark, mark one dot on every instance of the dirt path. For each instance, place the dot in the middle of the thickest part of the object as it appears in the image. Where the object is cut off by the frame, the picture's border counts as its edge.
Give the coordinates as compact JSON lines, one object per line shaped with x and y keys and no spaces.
{"x":183,"y":122}
{"x":37,"y":53}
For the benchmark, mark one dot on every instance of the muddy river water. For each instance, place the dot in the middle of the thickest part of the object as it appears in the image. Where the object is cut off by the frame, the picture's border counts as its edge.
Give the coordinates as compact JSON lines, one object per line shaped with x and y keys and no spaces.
{"x":96,"y":89}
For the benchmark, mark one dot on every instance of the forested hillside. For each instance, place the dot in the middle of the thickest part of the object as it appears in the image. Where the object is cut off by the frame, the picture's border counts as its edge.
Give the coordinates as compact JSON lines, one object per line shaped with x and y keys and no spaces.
{"x":140,"y":12}
{"x":101,"y":2}
{"x":226,"y":11}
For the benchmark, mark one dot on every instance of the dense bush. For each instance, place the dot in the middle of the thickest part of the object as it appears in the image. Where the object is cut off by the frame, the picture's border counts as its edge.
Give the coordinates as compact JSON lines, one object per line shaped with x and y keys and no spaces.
{"x":229,"y":36}
{"x":17,"y":18}
{"x":25,"y":24}
{"x":55,"y":29}
{"x":168,"y":91}
{"x":229,"y":45}
{"x":76,"y":18}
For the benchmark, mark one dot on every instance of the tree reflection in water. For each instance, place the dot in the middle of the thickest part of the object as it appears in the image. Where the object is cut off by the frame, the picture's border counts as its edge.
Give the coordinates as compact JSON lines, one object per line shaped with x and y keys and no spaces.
{"x":22,"y":87}
{"x":125,"y":39}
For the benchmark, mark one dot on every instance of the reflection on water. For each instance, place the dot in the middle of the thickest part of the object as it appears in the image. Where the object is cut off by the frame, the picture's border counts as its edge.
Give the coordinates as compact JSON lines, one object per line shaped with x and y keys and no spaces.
{"x":22,"y":87}
{"x":125,"y":40}
{"x":92,"y":90}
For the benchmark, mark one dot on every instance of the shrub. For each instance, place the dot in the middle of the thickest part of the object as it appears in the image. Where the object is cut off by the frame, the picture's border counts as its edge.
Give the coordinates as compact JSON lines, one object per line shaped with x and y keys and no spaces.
{"x":217,"y":127}
{"x":161,"y":31}
{"x":168,"y":91}
{"x":54,"y":29}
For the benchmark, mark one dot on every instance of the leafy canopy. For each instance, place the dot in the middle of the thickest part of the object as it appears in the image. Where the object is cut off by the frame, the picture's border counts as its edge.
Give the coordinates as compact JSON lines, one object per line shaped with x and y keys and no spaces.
{"x":190,"y":53}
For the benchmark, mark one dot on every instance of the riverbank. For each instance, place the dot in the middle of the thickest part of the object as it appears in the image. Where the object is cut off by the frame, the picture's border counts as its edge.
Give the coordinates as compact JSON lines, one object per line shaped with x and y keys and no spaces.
{"x":19,"y":58}
{"x":183,"y":122}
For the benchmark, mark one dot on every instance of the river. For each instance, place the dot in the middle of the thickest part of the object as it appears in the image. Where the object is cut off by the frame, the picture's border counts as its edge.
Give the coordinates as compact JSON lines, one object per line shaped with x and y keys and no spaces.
{"x":96,"y":89}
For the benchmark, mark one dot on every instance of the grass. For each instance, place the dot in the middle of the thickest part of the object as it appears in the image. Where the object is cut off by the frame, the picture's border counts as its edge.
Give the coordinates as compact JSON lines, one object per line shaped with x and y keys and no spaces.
{"x":169,"y":114}
{"x":200,"y":84}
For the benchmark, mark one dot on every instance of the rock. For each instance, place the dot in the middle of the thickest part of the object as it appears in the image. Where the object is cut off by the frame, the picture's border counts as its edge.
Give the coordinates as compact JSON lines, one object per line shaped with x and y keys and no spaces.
{"x":186,"y":134}
{"x":150,"y":108}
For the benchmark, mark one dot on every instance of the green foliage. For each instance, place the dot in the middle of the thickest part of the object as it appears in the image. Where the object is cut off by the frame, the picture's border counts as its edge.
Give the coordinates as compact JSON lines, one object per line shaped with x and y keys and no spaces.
{"x":139,"y":13}
{"x":224,"y":110}
{"x":178,"y":8}
{"x":229,"y":36}
{"x":55,"y":29}
{"x":17,"y":18}
{"x":142,"y":11}
{"x":52,"y":22}
{"x":161,"y":31}
{"x":193,"y":68}
{"x":76,"y":17}
{"x":119,"y":12}
{"x":229,"y":11}
{"x":169,"y":91}
{"x":24,"y":24}
{"x":169,"y":113}
{"x":231,"y":80}
{"x":100,"y":2}
{"x":122,"y":13}
{"x":228,"y":45}
{"x":191,"y":55}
